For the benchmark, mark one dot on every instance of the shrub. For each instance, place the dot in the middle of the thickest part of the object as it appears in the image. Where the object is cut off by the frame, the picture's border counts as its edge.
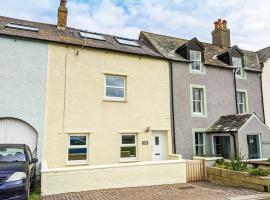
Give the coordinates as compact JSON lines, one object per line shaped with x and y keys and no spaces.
{"x":259,"y":172}
{"x":221,"y":163}
{"x":237,"y":164}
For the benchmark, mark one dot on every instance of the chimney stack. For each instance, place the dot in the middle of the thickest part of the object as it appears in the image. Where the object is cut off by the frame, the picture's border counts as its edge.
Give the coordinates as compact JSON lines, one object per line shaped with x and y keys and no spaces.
{"x":221,"y":34}
{"x":62,"y":15}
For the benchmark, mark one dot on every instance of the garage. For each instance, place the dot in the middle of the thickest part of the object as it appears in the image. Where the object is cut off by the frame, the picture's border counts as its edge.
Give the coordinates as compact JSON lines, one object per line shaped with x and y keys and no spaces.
{"x":15,"y":131}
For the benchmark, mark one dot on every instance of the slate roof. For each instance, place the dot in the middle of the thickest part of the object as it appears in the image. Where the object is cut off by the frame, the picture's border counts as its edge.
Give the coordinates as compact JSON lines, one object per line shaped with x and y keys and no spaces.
{"x":50,"y":33}
{"x":264,"y":54}
{"x":167,"y":45}
{"x":229,"y":123}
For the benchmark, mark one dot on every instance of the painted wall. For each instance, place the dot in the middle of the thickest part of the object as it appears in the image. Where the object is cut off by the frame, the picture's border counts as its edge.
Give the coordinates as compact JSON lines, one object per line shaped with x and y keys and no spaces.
{"x":266,"y":91}
{"x":254,"y":127}
{"x":220,"y":100}
{"x":84,"y":109}
{"x":252,"y":83}
{"x":113,"y":176}
{"x":23,"y":69}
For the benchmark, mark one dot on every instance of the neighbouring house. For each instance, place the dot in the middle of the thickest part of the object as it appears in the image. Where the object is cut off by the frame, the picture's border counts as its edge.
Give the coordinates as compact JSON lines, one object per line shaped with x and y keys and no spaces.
{"x":264,"y":58}
{"x":211,"y":80}
{"x":101,"y":105}
{"x":23,"y":71}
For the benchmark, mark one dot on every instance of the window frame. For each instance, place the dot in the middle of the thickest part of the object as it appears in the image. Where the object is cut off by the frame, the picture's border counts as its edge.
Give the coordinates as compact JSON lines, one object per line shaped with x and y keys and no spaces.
{"x":201,"y":70}
{"x":200,"y":131}
{"x":203,"y":103}
{"x":246,"y":101}
{"x":242,"y":74}
{"x":124,"y":87}
{"x":74,"y":162}
{"x":260,"y":146}
{"x":129,"y":145}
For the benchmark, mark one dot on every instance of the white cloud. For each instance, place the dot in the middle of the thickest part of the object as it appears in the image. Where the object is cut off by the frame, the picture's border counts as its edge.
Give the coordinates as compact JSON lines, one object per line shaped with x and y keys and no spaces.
{"x":248,"y":19}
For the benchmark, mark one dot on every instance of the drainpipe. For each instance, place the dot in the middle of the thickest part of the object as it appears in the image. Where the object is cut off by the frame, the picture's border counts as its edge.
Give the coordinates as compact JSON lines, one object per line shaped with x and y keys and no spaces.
{"x":235,"y":92}
{"x":172,"y":105}
{"x":262,"y":94}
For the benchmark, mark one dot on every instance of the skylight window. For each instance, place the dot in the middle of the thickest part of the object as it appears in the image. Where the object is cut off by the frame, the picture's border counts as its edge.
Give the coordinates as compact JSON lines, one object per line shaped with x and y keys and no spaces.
{"x":127,"y":42}
{"x":22,"y":27}
{"x":90,"y":35}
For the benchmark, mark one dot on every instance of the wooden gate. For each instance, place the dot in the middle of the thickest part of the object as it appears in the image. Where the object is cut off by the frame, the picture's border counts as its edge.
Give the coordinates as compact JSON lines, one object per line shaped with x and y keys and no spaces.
{"x":196,"y":170}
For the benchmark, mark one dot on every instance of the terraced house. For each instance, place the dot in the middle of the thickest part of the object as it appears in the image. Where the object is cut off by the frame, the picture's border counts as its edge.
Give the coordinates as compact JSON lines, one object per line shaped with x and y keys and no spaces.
{"x":217,"y":96}
{"x":100,"y":104}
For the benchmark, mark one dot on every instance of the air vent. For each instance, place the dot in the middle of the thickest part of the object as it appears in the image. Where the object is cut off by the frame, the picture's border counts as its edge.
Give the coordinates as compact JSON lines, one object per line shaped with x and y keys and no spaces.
{"x":95,"y":36}
{"x":127,"y":42}
{"x":22,"y":27}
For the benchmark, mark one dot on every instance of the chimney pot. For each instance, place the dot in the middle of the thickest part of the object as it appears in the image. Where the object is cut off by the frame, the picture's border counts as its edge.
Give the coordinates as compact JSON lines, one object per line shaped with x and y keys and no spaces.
{"x":62,"y":15}
{"x":221,"y":34}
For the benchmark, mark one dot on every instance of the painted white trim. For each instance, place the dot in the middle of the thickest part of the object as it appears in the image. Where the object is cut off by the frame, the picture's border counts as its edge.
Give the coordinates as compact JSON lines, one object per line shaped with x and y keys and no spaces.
{"x":45,"y":169}
{"x":243,"y":73}
{"x":129,"y":145}
{"x":108,"y":98}
{"x":193,"y":139}
{"x":78,"y":162}
{"x":204,"y":114}
{"x":202,"y":67}
{"x":247,"y":103}
{"x":260,"y":144}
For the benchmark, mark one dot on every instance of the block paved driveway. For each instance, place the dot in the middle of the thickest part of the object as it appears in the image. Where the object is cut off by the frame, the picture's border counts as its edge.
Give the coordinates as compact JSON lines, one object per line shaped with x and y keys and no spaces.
{"x":190,"y":191}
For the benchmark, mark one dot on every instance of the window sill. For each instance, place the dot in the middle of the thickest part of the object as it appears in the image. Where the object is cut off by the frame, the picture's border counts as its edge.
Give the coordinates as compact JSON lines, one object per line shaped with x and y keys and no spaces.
{"x":198,"y":115}
{"x":76,"y":163}
{"x":196,"y":72}
{"x":127,"y":161}
{"x":115,"y":100}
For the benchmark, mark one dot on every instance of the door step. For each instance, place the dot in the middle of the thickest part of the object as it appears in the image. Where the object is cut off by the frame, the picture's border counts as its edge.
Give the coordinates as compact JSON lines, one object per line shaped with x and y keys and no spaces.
{"x":252,"y":197}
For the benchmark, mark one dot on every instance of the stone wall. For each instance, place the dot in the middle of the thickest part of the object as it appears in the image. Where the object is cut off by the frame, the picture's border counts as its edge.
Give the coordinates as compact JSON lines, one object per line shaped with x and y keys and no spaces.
{"x":238,"y":179}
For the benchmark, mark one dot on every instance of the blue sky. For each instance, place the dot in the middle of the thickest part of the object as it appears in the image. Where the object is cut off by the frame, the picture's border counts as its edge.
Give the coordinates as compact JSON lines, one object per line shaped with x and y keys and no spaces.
{"x":249,"y":20}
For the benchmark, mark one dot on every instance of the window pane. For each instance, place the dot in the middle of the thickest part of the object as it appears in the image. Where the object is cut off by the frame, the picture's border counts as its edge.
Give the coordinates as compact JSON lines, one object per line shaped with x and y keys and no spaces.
{"x":128,"y":139}
{"x":156,"y":140}
{"x":128,"y":152}
{"x":77,"y":140}
{"x":115,"y":92}
{"x":115,"y":81}
{"x":196,"y":65}
{"x":253,"y":146}
{"x":77,"y":154}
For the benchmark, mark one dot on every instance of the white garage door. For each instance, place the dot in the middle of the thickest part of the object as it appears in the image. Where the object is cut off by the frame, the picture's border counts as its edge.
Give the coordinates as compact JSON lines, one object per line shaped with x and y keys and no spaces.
{"x":14,"y":131}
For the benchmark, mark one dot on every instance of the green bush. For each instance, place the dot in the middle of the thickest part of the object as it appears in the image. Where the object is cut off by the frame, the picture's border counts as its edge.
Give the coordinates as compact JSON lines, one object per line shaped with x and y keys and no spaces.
{"x":259,"y":172}
{"x":221,"y":163}
{"x":237,"y":164}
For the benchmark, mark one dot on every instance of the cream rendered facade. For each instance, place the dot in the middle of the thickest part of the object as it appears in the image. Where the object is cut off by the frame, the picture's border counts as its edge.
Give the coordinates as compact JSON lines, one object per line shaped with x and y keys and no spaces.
{"x":75,"y":104}
{"x":266,"y":91}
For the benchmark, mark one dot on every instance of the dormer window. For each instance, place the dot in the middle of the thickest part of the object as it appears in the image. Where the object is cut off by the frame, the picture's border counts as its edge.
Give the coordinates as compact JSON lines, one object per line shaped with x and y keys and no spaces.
{"x":196,"y":61}
{"x":237,"y":63}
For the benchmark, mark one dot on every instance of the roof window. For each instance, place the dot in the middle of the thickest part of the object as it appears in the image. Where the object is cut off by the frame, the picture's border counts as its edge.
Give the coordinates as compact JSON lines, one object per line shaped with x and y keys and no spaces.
{"x":91,"y":35}
{"x":127,"y":41}
{"x":22,"y":27}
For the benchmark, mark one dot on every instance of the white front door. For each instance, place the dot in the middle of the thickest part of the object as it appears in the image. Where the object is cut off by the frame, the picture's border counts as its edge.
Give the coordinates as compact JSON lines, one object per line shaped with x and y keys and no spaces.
{"x":159,"y":146}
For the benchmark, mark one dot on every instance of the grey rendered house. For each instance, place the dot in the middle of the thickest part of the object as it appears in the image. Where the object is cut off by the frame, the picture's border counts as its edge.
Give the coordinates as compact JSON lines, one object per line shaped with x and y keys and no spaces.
{"x":210,"y":82}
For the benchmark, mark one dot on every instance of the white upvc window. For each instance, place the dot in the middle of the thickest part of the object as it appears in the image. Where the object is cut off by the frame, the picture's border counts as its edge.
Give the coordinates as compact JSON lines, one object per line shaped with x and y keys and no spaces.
{"x":199,"y":143}
{"x":242,"y":101}
{"x":198,"y":100}
{"x":128,"y":149}
{"x":196,"y":61}
{"x":237,"y":62}
{"x":78,"y":148}
{"x":115,"y":87}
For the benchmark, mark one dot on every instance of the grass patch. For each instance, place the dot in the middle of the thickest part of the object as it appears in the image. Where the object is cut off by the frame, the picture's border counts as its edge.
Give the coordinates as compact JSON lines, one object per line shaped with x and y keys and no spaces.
{"x":35,"y":193}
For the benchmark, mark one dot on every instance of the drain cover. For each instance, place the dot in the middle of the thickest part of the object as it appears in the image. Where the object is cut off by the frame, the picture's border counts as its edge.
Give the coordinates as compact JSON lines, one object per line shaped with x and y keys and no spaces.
{"x":186,"y":188}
